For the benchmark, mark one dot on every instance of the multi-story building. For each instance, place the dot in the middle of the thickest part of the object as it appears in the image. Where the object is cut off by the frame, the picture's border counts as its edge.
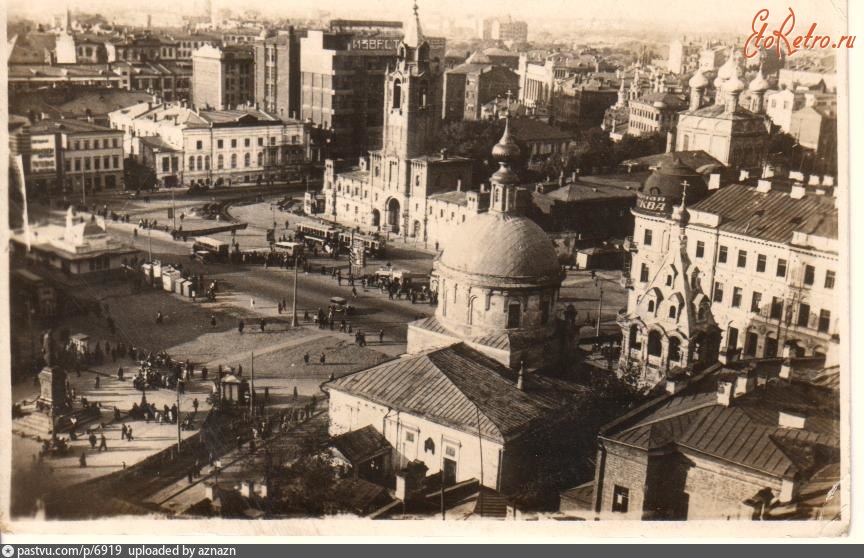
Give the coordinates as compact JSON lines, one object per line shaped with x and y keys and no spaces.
{"x":654,"y":113}
{"x":739,"y":273}
{"x":23,"y":78}
{"x":509,"y":31}
{"x":277,"y":74}
{"x":223,"y":78}
{"x":755,"y":440}
{"x":732,"y":134}
{"x":189,"y":43}
{"x":683,"y":56}
{"x":186,"y":146}
{"x":580,"y":104}
{"x":538,"y":79}
{"x":342,"y":84}
{"x":147,"y":48}
{"x":69,"y":156}
{"x":389,"y":191}
{"x":469,"y":86}
{"x":169,"y":80}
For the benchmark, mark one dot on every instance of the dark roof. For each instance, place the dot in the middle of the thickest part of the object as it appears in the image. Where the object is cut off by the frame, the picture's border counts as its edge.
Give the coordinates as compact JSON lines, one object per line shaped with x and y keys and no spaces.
{"x":671,"y":100}
{"x":157,"y":142}
{"x":220,"y":116}
{"x":771,"y":215}
{"x":70,"y":126}
{"x":580,"y":191}
{"x":668,"y":180}
{"x":361,"y":445}
{"x":456,"y":197}
{"x":358,"y":495}
{"x":698,"y":160}
{"x":31,"y":48}
{"x":458,"y":386}
{"x":105,"y":101}
{"x":747,"y":432}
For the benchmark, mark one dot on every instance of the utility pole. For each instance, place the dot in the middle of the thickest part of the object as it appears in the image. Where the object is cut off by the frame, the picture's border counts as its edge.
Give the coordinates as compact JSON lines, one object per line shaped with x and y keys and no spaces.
{"x":178,"y":415}
{"x":149,"y":246}
{"x":252,"y":394}
{"x":294,"y":296}
{"x":599,"y":308}
{"x":173,"y":211}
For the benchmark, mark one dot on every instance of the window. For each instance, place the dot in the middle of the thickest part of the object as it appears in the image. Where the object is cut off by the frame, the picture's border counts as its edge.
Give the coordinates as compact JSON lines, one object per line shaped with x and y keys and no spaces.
{"x":737,"y":293}
{"x":86,"y":163}
{"x":742,"y":258}
{"x":655,"y":343}
{"x":668,"y":280}
{"x":620,"y":499}
{"x":247,"y":142}
{"x":809,"y":274}
{"x":544,"y":310}
{"x":700,"y":249}
{"x":732,"y":338}
{"x":722,"y":254}
{"x":77,"y":164}
{"x":429,"y":446}
{"x":165,"y":164}
{"x":199,"y":144}
{"x":824,"y":320}
{"x":672,"y":312}
{"x":76,"y":145}
{"x":233,"y":160}
{"x":191,"y":162}
{"x":643,"y":273}
{"x":67,"y":165}
{"x":247,"y":160}
{"x":650,"y":305}
{"x":115,"y":161}
{"x":755,"y":302}
{"x":95,"y":144}
{"x":718,"y":292}
{"x":260,"y":142}
{"x":207,"y":162}
{"x":781,"y":268}
{"x":776,"y":308}
{"x":233,"y":143}
{"x":514,"y":314}
{"x":220,"y":161}
{"x":761,"y":262}
{"x":115,"y":143}
{"x":272,"y":141}
{"x":648,"y":237}
{"x":674,"y":349}
{"x":803,"y":314}
{"x":751,"y":341}
{"x":829,"y":279}
{"x":220,"y":144}
{"x":409,"y":436}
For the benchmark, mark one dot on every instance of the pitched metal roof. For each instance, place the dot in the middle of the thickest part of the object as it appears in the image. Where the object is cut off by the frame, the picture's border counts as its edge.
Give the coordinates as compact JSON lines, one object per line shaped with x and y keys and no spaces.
{"x":772,"y":215}
{"x":361,"y":445}
{"x":459,"y":387}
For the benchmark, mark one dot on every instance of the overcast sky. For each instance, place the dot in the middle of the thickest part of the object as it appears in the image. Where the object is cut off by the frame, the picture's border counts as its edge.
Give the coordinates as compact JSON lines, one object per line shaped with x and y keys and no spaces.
{"x":692,"y":16}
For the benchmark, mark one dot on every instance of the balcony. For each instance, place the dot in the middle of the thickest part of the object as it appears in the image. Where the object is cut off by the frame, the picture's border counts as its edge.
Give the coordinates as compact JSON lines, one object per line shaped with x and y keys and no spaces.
{"x":630,"y":245}
{"x":626,"y":282}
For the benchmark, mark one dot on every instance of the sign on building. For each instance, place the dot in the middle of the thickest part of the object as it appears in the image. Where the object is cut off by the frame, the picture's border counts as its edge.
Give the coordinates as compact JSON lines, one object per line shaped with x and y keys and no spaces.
{"x":357,"y":256}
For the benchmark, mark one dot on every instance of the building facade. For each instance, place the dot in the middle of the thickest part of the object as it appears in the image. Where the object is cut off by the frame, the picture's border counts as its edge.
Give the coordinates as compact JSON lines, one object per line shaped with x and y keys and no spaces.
{"x":223,"y":78}
{"x":469,"y":86}
{"x":277,"y":74}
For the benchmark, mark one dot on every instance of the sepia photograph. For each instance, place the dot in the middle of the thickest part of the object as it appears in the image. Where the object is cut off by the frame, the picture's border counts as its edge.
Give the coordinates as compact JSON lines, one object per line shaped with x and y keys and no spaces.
{"x":582,"y":264}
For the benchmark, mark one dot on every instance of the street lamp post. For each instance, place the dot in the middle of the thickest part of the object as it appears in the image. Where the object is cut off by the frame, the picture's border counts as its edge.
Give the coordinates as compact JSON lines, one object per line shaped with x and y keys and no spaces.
{"x":294,"y":294}
{"x":599,"y":307}
{"x":149,"y":246}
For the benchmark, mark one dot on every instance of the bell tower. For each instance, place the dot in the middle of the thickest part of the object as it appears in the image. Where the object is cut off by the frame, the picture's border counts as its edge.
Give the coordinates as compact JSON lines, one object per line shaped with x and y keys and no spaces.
{"x":411,"y":94}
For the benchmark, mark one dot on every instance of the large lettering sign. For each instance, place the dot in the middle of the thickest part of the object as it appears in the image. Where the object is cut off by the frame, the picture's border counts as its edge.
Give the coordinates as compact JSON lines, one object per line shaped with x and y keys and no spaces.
{"x":654,"y":204}
{"x":375,"y":44}
{"x":42,"y":154}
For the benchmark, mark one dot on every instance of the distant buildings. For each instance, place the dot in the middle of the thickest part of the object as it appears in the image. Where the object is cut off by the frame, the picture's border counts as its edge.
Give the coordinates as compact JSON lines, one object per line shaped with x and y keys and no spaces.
{"x":223,"y":77}
{"x":469,"y":86}
{"x":683,"y":56}
{"x":504,"y":30}
{"x":581,"y":104}
{"x":655,"y":112}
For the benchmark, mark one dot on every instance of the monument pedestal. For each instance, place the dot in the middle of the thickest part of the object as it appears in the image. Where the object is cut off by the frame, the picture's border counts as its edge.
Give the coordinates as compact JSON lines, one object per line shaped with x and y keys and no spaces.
{"x":52,"y":408}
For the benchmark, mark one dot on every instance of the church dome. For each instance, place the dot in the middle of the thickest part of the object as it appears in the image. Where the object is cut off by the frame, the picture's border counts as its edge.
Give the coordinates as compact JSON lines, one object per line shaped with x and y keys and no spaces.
{"x":667,"y":180}
{"x":698,"y":80}
{"x":504,"y":175}
{"x":759,"y":83}
{"x":728,"y":69}
{"x":506,"y":150}
{"x":502,"y":246}
{"x":734,"y":85}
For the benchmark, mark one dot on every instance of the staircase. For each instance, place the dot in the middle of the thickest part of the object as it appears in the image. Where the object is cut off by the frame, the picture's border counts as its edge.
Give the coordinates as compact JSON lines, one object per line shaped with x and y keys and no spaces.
{"x":491,"y":505}
{"x":33,"y":425}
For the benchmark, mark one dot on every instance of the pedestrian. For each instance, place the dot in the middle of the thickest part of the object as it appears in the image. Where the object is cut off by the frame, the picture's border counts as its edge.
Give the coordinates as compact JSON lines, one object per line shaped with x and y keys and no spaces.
{"x":212,"y":320}
{"x":123,"y":432}
{"x":103,"y":443}
{"x":323,"y":359}
{"x":354,"y":291}
{"x":252,"y":303}
{"x":306,"y":359}
{"x":381,"y":336}
{"x":97,"y":381}
{"x":129,"y":434}
{"x":305,"y":315}
{"x":240,"y":326}
{"x":83,"y":459}
{"x":263,"y":323}
{"x":295,"y":393}
{"x":266,"y":394}
{"x":92,"y":439}
{"x":195,"y":404}
{"x":190,"y":475}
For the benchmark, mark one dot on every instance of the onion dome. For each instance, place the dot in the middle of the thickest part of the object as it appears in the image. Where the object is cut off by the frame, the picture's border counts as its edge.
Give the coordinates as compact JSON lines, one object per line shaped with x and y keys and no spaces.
{"x":698,"y":81}
{"x":734,"y":85}
{"x":759,"y":83}
{"x":506,"y":150}
{"x":727,"y":70}
{"x":504,"y":176}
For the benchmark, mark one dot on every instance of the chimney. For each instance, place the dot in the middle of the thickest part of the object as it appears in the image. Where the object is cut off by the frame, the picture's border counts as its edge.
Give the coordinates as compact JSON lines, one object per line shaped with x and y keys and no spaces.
{"x":247,"y":488}
{"x":792,"y":419}
{"x":714,"y":181}
{"x":763,"y":186}
{"x":458,"y":184}
{"x":561,"y":179}
{"x":674,"y":384}
{"x":744,"y":175}
{"x":262,"y":490}
{"x":796,"y":175}
{"x":520,"y":382}
{"x":744,"y":382}
{"x":797,"y":192}
{"x":786,"y":367}
{"x":573,"y":176}
{"x":724,"y":391}
{"x":209,"y":492}
{"x":670,"y":140}
{"x":444,"y":154}
{"x":813,"y":180}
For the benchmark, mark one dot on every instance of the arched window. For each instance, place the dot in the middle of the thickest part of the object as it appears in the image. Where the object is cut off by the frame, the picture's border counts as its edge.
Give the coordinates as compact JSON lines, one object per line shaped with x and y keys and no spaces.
{"x":672,"y":312}
{"x":429,"y":445}
{"x":655,"y":343}
{"x":200,"y":162}
{"x":191,"y":163}
{"x":700,"y":315}
{"x":674,"y":349}
{"x":397,"y":94}
{"x":260,"y":158}
{"x":514,"y":314}
{"x":633,"y":339}
{"x":247,"y":160}
{"x":650,"y":305}
{"x":207,"y":162}
{"x":233,"y":160}
{"x":220,"y":162}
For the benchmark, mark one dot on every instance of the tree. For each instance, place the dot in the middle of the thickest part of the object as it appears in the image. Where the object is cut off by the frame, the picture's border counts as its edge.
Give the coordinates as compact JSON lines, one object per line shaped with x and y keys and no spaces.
{"x":474,"y":140}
